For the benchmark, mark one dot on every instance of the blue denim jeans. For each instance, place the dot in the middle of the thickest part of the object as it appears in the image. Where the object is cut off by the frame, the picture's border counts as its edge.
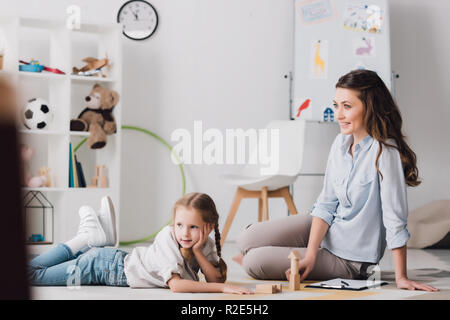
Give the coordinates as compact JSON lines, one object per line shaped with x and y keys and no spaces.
{"x":60,"y":267}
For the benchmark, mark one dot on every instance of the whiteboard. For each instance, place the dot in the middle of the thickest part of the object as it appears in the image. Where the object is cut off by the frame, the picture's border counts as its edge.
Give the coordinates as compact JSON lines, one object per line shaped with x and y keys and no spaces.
{"x":331,"y":38}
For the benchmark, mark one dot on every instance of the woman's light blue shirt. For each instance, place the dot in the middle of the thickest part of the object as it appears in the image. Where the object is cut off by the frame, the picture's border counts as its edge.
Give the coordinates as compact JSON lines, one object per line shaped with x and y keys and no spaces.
{"x":365,"y":212}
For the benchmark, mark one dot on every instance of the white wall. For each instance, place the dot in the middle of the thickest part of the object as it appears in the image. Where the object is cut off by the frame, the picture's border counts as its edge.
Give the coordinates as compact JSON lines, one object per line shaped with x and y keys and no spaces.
{"x":420,"y":33}
{"x":223,"y":62}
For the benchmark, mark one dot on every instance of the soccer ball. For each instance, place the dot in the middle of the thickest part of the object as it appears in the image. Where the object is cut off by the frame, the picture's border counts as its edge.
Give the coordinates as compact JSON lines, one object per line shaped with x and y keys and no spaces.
{"x":37,"y":114}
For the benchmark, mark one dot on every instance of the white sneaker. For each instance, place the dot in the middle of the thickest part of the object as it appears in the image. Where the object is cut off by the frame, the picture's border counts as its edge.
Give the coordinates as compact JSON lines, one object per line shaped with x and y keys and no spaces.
{"x":107,"y":218}
{"x":90,"y":226}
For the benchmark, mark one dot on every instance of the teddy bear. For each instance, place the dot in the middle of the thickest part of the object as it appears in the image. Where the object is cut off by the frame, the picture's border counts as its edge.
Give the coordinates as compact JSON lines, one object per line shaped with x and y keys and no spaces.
{"x":97,"y":117}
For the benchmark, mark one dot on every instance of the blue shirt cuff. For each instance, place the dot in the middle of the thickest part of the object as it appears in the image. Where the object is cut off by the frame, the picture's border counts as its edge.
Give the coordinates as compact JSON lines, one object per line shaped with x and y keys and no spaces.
{"x":398,"y":240}
{"x":323,"y":214}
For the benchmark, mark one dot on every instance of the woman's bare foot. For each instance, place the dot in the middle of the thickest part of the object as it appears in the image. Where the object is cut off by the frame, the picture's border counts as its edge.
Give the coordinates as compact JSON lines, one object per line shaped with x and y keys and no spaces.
{"x":238,"y":259}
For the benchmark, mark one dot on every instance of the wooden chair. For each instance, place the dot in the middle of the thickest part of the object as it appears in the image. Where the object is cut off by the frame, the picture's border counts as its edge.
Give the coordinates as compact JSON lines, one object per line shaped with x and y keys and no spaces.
{"x":252,"y":184}
{"x":263,"y":204}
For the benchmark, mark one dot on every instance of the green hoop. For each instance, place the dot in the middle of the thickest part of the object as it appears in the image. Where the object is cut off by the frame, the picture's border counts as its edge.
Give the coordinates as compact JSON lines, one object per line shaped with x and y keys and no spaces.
{"x":154,"y":135}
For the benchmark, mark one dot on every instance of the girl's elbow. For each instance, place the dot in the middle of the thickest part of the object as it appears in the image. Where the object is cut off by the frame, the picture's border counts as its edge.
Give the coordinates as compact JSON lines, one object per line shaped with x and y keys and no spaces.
{"x":175,"y":288}
{"x":174,"y":285}
{"x":220,"y":279}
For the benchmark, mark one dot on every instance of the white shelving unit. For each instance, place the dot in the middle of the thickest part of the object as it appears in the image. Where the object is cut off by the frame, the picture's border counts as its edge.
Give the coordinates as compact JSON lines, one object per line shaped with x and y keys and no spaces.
{"x":56,"y":46}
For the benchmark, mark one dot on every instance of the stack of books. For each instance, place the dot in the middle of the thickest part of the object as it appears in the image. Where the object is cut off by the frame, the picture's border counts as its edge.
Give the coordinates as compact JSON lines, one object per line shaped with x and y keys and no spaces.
{"x":76,"y":175}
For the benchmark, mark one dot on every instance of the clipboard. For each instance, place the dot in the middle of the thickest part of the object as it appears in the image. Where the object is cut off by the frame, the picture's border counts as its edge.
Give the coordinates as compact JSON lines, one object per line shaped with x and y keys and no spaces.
{"x":347,"y":284}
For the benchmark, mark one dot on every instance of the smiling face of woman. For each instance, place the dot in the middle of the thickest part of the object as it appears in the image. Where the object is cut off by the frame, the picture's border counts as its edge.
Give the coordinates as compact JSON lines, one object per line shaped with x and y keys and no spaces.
{"x":349,"y":112}
{"x":187,"y":226}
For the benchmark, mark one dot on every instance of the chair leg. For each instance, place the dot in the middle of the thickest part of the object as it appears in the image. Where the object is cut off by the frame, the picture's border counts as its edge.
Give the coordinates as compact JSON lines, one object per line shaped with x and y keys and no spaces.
{"x":260,"y":207}
{"x":265,"y":204}
{"x":234,"y":207}
{"x":289,"y":201}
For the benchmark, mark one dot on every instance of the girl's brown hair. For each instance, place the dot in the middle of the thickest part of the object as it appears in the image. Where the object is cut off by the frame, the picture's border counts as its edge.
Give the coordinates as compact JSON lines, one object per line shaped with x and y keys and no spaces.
{"x":382,"y":119}
{"x":205,"y":206}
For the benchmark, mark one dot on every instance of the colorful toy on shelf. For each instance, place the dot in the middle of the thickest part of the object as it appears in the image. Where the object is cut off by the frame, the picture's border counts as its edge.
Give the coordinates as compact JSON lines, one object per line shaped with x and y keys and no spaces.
{"x":97,"y":117}
{"x":93,"y":67}
{"x":34,"y":66}
{"x":43,"y":177}
{"x":328,"y":115}
{"x":37,"y":114}
{"x":36,"y":238}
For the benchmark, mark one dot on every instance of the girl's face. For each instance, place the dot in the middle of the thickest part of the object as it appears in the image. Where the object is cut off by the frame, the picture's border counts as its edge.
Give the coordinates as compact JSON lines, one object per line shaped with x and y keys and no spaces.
{"x":349,"y":112}
{"x":187,"y":226}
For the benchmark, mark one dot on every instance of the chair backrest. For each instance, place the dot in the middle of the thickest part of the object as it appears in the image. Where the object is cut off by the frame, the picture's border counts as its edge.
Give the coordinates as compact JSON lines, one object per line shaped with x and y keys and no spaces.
{"x":280,"y":151}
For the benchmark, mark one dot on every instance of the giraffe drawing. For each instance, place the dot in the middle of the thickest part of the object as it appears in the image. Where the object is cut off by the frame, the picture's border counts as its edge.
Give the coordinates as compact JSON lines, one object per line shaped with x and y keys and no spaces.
{"x":318,"y":61}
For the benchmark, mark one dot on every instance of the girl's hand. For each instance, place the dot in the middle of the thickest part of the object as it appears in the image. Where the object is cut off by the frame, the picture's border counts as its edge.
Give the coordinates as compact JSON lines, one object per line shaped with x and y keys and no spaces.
{"x":306,"y":265}
{"x":405,"y":283}
{"x":204,"y":233}
{"x":227,"y":288}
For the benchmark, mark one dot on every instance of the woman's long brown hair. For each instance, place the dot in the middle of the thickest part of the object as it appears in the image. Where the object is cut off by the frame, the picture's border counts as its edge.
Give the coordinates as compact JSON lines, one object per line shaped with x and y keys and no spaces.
{"x":205,"y":206}
{"x":382,"y":119}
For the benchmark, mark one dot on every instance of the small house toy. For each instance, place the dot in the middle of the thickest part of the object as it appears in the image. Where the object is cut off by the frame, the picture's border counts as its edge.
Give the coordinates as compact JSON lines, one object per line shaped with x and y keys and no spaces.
{"x":328,"y":115}
{"x":38,"y":218}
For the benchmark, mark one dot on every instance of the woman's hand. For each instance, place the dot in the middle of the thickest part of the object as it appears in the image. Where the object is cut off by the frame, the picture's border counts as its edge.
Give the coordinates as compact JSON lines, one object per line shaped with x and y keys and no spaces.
{"x":227,"y":288}
{"x":405,"y":283}
{"x":204,"y":233}
{"x":306,"y":265}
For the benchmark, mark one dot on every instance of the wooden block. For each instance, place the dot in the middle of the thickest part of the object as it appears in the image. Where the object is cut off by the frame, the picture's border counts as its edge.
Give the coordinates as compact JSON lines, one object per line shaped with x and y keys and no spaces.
{"x":268,"y":288}
{"x":279,"y":287}
{"x":294,"y":282}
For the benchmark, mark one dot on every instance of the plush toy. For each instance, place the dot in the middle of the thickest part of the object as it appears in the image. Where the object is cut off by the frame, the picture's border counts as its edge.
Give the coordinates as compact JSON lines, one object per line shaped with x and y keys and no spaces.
{"x":43,"y":177}
{"x":97,"y":117}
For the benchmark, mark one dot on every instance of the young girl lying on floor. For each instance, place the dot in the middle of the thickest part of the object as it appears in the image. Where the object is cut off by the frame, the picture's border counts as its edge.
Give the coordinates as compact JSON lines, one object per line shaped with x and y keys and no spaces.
{"x":172,"y":261}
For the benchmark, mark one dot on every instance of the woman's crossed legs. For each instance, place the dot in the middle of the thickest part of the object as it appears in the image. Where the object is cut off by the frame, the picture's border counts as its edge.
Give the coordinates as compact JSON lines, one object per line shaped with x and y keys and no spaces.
{"x":265,"y":247}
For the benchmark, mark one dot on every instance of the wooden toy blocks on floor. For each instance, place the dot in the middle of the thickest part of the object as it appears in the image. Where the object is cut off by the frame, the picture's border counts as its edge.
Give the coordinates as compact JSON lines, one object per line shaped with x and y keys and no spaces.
{"x":268,"y":288}
{"x":294,"y":279}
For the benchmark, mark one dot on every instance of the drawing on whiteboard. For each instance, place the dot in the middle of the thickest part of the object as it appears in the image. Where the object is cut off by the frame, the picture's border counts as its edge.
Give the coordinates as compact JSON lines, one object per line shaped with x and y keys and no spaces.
{"x":319,"y":65}
{"x":311,"y":11}
{"x":303,"y":106}
{"x":363,"y":17}
{"x":364,"y":47}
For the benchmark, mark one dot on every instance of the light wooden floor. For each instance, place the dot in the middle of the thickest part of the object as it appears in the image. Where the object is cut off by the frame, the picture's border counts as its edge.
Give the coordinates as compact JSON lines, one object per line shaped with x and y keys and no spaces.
{"x":430,"y":266}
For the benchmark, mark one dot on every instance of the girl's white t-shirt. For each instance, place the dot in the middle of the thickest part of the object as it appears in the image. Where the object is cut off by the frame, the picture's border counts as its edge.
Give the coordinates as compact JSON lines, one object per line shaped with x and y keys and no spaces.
{"x":153,"y":266}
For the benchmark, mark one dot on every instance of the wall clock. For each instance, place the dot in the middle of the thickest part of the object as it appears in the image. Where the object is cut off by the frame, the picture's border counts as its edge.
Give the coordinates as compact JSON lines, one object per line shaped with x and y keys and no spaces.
{"x":138,"y":18}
